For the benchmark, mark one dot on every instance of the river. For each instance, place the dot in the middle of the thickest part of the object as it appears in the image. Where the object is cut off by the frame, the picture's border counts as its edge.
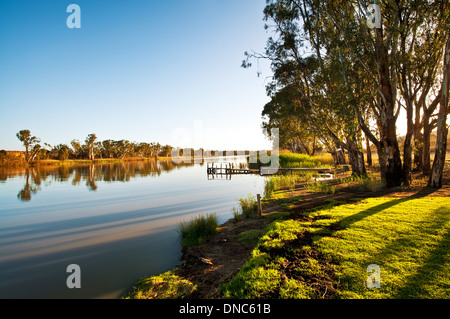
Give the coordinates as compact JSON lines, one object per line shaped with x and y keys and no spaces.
{"x":117,"y":222}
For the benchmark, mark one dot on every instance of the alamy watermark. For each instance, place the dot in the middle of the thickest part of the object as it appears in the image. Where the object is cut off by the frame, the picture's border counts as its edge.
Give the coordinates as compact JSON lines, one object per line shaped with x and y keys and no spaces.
{"x":374,"y":279}
{"x":268,"y":158}
{"x":374,"y":16}
{"x":74,"y":19}
{"x":74,"y":279}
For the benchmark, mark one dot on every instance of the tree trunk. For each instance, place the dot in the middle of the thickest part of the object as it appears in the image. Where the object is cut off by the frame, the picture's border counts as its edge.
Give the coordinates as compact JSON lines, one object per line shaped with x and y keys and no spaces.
{"x":356,"y":159}
{"x":437,"y":170}
{"x":341,"y":156}
{"x":407,"y":147}
{"x":426,"y":160}
{"x":369,"y":152}
{"x":314,"y":145}
{"x":418,"y":141}
{"x":393,"y":170}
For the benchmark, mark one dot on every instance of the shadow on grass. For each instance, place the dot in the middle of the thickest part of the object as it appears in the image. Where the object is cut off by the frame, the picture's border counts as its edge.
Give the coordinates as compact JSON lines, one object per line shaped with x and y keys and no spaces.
{"x":347,"y":221}
{"x":434,"y":265}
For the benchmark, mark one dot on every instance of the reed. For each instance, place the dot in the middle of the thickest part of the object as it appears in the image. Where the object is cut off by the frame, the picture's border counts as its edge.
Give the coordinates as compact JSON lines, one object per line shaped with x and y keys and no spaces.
{"x":248,"y":205}
{"x":198,"y":230}
{"x":320,"y":187}
{"x":287,"y":181}
{"x":292,"y":160}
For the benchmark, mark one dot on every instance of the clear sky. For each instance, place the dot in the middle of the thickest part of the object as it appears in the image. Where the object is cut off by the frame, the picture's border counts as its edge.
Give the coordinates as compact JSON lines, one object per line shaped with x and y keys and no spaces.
{"x":142,"y":70}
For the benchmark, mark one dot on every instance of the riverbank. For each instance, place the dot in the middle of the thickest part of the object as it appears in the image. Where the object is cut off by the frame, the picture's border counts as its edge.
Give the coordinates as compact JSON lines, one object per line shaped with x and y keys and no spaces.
{"x":22,"y":164}
{"x":297,"y":250}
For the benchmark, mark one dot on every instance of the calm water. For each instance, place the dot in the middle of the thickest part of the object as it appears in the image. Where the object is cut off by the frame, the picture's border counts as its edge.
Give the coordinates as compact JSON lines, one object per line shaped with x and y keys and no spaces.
{"x":117,"y":222}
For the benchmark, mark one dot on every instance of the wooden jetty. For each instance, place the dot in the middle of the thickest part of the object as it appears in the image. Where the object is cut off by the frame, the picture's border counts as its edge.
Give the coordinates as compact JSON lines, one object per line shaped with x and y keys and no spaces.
{"x":274,"y":170}
{"x":229,"y":169}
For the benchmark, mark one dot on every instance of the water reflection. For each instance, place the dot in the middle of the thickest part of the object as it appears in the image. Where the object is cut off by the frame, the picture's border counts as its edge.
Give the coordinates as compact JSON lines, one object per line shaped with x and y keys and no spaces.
{"x":118,"y":222}
{"x":29,"y":188}
{"x":91,"y":175}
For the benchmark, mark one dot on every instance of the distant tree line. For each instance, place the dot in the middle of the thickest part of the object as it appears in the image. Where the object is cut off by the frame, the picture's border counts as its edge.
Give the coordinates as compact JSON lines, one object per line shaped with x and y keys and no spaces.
{"x":90,"y":149}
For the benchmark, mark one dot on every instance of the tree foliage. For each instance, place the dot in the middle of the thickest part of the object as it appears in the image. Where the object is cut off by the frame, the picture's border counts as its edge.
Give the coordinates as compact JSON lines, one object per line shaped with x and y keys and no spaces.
{"x":31,"y":144}
{"x":335,"y":77}
{"x":90,"y":149}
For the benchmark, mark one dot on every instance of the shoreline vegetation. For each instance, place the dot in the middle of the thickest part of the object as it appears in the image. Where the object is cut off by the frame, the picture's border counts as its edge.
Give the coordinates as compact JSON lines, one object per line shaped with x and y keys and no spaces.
{"x":15,"y":159}
{"x":93,"y":151}
{"x":314,"y":244}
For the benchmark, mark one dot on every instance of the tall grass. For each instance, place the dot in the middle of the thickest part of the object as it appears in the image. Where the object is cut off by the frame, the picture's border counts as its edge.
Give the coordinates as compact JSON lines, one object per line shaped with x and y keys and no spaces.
{"x":293,"y":160}
{"x":368,"y":183}
{"x":277,"y":182}
{"x":248,"y":205}
{"x":320,"y":187}
{"x":198,"y":230}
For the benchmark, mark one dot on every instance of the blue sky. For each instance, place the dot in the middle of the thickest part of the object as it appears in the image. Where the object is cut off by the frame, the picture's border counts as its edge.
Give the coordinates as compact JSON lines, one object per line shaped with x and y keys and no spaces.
{"x":146,"y":71}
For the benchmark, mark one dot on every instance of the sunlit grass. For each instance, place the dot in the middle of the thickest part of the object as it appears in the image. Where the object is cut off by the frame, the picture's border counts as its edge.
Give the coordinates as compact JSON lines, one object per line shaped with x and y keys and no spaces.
{"x":320,"y":187}
{"x":164,"y":286}
{"x":292,"y":160}
{"x":284,"y":181}
{"x":366,"y":183}
{"x":409,"y":239}
{"x":290,"y":180}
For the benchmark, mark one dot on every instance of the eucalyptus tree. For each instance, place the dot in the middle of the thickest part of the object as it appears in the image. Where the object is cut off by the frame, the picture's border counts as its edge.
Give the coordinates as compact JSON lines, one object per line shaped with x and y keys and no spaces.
{"x":79,"y":150}
{"x":311,"y":75}
{"x":156,"y":149}
{"x":406,"y":48}
{"x":363,"y":74}
{"x":297,"y":132}
{"x":166,"y":150}
{"x":91,"y":146}
{"x":417,"y":57}
{"x":442,"y":128}
{"x":61,"y":152}
{"x":3,"y":155}
{"x":145,"y":149}
{"x":107,"y":148}
{"x":364,"y":70}
{"x":123,"y":148}
{"x":31,"y":144}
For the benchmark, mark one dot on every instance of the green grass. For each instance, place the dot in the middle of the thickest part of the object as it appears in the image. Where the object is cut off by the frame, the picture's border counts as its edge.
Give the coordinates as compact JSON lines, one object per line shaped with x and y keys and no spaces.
{"x":289,"y":181}
{"x":320,"y":187}
{"x":409,"y":239}
{"x":164,"y":286}
{"x":292,"y":160}
{"x":280,"y":181}
{"x":198,"y":230}
{"x":250,"y":237}
{"x":367,"y":183}
{"x":262,"y":275}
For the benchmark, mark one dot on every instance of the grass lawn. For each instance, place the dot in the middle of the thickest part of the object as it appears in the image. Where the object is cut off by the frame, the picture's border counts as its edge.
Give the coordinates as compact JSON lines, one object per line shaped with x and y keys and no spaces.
{"x":326,"y":253}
